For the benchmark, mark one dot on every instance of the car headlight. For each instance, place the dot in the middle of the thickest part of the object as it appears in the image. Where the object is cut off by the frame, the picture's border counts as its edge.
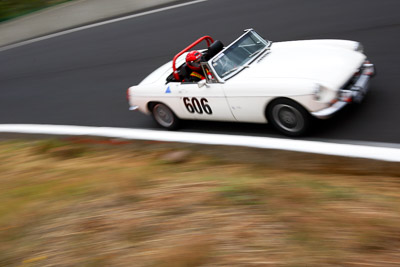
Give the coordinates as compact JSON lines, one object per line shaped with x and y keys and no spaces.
{"x":319,"y":92}
{"x":359,"y":47}
{"x":322,"y":93}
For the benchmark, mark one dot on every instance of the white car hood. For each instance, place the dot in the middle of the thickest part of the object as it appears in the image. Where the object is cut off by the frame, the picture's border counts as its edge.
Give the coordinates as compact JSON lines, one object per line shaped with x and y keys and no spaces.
{"x":327,"y":65}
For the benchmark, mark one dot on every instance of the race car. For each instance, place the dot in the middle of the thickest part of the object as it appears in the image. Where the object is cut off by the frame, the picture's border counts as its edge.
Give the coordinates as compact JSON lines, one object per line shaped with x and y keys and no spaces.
{"x":257,"y":81}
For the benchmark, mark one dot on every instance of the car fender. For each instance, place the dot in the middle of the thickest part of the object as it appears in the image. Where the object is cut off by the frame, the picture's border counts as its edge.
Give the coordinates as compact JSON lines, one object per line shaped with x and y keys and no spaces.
{"x":248,"y":101}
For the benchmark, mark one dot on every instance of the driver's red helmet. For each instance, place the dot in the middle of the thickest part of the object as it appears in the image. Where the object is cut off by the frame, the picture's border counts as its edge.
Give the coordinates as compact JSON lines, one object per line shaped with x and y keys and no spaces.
{"x":193,"y":60}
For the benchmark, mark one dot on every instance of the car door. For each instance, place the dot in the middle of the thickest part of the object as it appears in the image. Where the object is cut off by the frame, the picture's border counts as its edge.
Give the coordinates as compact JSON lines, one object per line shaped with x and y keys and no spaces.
{"x":204,"y":102}
{"x":171,"y":95}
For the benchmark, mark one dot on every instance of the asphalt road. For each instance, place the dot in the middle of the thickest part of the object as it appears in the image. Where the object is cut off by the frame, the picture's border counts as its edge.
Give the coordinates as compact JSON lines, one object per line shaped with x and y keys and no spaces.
{"x":81,"y":78}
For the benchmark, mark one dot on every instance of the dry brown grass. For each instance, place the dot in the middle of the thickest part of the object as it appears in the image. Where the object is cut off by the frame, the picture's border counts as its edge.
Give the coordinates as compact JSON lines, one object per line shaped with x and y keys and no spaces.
{"x":81,"y":203}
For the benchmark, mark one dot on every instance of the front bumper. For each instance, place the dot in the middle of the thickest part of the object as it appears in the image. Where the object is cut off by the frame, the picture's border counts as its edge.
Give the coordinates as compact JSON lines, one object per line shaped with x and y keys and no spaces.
{"x":353,"y":92}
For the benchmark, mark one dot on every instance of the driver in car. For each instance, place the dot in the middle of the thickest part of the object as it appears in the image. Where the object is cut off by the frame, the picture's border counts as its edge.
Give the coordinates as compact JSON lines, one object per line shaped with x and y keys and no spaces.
{"x":193,"y":60}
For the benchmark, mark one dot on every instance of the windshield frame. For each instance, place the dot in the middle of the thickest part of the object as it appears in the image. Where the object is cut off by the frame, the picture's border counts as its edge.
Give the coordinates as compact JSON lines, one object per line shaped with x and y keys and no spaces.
{"x":235,"y":70}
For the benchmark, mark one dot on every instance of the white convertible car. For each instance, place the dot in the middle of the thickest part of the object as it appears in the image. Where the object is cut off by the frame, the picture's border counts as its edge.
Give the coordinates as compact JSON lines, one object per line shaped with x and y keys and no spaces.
{"x":257,"y":81}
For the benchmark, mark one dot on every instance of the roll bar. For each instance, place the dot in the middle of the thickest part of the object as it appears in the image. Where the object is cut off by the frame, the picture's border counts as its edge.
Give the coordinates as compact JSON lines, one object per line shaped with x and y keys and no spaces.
{"x":209,"y":42}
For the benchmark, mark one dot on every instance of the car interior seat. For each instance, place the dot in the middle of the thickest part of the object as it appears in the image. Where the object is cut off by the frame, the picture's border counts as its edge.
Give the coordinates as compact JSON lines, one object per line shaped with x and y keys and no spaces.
{"x":213,"y":49}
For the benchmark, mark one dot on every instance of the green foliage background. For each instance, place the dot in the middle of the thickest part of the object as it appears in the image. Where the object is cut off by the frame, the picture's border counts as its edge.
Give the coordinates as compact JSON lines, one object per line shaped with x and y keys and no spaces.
{"x":10,"y":9}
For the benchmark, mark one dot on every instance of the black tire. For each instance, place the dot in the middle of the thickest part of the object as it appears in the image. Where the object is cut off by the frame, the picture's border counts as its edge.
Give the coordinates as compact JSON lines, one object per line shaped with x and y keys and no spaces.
{"x":165,"y":117}
{"x":289,"y":117}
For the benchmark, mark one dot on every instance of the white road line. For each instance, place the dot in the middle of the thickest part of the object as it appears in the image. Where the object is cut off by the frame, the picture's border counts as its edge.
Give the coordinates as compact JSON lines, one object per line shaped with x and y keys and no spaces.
{"x":335,"y":149}
{"x":97,"y":24}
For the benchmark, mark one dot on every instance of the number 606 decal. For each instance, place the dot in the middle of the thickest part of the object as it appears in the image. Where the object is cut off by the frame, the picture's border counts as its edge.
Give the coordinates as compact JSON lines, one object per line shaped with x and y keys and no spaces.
{"x":194,"y":105}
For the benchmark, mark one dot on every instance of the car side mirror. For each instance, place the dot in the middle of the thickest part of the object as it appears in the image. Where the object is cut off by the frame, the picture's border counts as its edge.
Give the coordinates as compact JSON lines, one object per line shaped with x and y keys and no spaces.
{"x":202,"y":83}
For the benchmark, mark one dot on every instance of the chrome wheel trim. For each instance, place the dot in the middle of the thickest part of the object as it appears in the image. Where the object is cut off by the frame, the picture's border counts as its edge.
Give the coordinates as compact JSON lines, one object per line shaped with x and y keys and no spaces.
{"x":163,"y":115}
{"x":288,"y":118}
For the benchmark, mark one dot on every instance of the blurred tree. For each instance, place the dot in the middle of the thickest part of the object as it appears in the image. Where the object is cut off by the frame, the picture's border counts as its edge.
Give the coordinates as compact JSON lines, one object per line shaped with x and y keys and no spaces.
{"x":10,"y":9}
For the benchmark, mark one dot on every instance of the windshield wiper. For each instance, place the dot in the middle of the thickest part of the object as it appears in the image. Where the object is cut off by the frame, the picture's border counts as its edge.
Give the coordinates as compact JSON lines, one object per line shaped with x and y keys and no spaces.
{"x":229,"y":71}
{"x":257,"y":52}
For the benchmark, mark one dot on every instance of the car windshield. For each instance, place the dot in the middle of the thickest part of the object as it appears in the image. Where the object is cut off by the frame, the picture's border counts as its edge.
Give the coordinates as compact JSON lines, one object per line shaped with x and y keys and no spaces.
{"x":238,"y":54}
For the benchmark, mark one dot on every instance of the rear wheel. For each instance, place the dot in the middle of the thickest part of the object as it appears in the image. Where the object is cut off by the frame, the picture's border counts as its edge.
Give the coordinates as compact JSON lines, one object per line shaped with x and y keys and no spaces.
{"x":289,"y":117}
{"x":164,"y":116}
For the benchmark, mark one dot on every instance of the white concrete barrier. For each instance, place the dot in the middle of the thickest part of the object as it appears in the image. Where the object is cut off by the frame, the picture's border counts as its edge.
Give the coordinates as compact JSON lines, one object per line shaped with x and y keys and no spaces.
{"x":317,"y":147}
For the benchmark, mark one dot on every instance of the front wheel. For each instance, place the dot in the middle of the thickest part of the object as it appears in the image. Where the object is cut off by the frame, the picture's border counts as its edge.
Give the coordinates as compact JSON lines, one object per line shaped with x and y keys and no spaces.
{"x":164,"y":116}
{"x":289,"y":117}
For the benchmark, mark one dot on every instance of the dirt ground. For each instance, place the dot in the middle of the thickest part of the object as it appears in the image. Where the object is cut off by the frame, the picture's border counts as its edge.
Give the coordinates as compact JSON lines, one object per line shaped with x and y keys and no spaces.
{"x":99,"y":202}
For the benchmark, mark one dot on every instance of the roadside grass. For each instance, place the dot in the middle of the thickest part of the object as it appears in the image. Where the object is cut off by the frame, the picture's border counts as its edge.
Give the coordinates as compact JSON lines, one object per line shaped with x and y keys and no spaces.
{"x":10,"y":9}
{"x":98,"y":203}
